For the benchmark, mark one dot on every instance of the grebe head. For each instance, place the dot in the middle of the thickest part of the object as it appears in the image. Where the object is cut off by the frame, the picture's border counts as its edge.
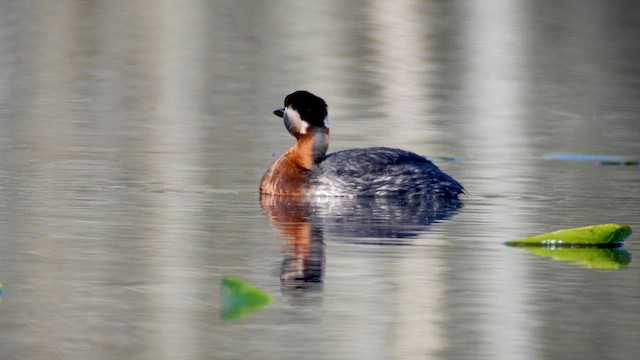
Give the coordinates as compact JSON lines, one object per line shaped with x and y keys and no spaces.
{"x":301,"y":110}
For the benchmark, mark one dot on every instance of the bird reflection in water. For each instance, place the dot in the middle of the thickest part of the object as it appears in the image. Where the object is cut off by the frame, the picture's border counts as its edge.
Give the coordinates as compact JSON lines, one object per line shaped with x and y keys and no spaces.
{"x":304,"y":223}
{"x":303,"y":264}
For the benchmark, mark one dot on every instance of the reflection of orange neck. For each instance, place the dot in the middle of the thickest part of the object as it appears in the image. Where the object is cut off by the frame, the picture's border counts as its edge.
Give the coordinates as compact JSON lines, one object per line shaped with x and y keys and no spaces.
{"x":289,"y":215}
{"x":288,"y":174}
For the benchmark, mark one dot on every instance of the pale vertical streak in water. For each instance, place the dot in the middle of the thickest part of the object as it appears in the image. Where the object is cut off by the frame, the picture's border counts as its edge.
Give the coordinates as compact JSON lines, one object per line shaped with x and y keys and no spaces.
{"x":497,"y":110}
{"x":398,"y":43}
{"x":176,"y":111}
{"x":44,"y":53}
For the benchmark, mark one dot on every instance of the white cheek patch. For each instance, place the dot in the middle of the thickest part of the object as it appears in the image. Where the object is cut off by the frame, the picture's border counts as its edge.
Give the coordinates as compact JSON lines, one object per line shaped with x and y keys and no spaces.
{"x":298,"y":125}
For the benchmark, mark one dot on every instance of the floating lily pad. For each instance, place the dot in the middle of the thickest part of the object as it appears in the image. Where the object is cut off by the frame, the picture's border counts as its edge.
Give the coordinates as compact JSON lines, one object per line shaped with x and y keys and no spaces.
{"x":605,"y":235}
{"x":595,"y":258}
{"x":240,"y":299}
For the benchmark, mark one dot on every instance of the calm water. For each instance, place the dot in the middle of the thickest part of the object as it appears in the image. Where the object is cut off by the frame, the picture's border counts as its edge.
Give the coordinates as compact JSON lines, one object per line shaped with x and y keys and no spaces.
{"x":133,"y":136}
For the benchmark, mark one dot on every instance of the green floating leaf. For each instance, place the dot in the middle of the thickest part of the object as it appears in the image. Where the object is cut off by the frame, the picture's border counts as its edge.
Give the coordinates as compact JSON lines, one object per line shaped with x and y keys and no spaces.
{"x":240,"y":299}
{"x":604,"y":235}
{"x":593,"y":257}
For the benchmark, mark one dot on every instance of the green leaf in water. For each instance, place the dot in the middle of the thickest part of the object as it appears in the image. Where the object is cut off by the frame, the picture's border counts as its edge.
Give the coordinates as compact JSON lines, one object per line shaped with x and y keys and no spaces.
{"x":591,"y":257}
{"x":240,"y":299}
{"x":604,"y":235}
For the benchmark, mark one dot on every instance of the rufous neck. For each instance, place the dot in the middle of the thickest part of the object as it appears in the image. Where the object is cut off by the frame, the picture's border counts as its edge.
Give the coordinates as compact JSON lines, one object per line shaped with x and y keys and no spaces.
{"x":312,"y":146}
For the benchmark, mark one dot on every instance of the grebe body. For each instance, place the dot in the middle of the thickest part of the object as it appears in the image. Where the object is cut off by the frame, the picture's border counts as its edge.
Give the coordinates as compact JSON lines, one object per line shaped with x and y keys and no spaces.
{"x":306,"y":169}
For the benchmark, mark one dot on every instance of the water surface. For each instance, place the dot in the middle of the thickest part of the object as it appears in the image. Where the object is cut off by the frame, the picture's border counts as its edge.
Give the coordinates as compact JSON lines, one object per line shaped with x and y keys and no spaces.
{"x":134,"y":135}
